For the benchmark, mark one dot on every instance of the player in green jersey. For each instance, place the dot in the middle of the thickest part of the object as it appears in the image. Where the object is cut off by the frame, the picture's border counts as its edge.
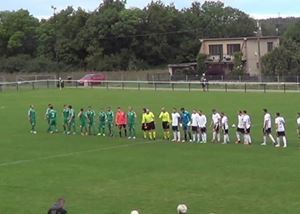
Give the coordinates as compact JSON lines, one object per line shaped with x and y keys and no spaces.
{"x":65,"y":114}
{"x":131,"y":117}
{"x":91,"y":120}
{"x":83,"y":122}
{"x":71,"y":121}
{"x":32,"y":119}
{"x":52,"y":120}
{"x":110,"y":118}
{"x":102,"y":123}
{"x":47,"y":115}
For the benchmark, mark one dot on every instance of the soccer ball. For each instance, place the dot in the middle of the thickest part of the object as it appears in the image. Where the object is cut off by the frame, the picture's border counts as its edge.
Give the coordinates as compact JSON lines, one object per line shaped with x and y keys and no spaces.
{"x":233,"y":126}
{"x":134,"y":212}
{"x":181,"y":209}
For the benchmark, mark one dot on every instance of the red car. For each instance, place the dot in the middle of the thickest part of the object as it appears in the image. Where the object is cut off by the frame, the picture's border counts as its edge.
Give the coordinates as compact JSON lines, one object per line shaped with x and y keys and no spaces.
{"x":92,"y":79}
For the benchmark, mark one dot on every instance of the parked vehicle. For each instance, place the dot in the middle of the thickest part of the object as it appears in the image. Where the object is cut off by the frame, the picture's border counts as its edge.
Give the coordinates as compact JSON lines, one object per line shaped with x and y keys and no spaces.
{"x":92,"y":79}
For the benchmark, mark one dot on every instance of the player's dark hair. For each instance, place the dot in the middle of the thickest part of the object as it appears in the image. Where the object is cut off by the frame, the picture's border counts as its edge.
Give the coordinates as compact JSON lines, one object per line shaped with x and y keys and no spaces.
{"x":277,"y":114}
{"x":70,"y":106}
{"x":182,"y":109}
{"x":245,"y":112}
{"x":81,"y":109}
{"x":51,"y":107}
{"x":265,"y":110}
{"x":240,"y":111}
{"x":144,"y":110}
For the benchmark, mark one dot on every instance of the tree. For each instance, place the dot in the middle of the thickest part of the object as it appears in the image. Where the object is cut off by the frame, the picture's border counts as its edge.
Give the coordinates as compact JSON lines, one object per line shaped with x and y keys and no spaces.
{"x":18,"y":33}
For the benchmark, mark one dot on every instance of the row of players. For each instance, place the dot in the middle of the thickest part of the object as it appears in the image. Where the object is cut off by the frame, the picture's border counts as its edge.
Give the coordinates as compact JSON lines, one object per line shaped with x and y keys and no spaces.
{"x":193,"y":124}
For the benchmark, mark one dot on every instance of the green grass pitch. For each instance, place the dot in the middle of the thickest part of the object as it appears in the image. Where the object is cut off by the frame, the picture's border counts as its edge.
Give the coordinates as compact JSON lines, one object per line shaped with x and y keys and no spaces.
{"x":102,"y":175}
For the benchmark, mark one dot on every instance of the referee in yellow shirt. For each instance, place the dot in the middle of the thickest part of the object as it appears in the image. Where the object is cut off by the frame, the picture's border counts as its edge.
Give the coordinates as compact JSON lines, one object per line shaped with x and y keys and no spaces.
{"x":166,"y":120}
{"x":148,"y":124}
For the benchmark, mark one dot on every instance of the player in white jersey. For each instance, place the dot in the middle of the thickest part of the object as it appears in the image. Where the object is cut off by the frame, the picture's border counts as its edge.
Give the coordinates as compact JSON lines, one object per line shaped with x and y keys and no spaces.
{"x":215,"y":124}
{"x":225,"y":128}
{"x":298,"y":124}
{"x":247,"y":128}
{"x":202,"y":127}
{"x":240,"y":127}
{"x":267,"y":128}
{"x":280,"y":129}
{"x":194,"y":123}
{"x":175,"y":125}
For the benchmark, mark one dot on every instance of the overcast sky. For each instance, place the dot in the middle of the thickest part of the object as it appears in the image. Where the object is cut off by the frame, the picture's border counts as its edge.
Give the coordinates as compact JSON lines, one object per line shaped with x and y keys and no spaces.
{"x":256,"y":8}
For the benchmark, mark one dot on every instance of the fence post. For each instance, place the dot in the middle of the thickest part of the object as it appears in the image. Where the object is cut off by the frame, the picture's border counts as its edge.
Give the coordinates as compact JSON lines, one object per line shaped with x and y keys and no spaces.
{"x":1,"y":88}
{"x":189,"y":87}
{"x":106,"y":85}
{"x":226,"y":87}
{"x":76,"y":84}
{"x":172,"y":84}
{"x":123,"y":86}
{"x":139,"y":86}
{"x":155,"y":86}
{"x":47,"y":83}
{"x":245,"y":87}
{"x":264,"y":88}
{"x":284,"y":88}
{"x":33,"y":85}
{"x":17,"y":86}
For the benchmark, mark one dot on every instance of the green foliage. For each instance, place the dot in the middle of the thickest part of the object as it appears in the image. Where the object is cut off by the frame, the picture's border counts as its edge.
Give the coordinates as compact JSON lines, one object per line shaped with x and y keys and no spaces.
{"x":238,"y":68}
{"x":116,"y":38}
{"x":201,"y":66}
{"x":285,"y":60}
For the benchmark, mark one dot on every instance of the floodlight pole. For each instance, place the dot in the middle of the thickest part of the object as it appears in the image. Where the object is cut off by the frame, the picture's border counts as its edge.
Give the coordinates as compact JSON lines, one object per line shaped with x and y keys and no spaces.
{"x":55,"y":43}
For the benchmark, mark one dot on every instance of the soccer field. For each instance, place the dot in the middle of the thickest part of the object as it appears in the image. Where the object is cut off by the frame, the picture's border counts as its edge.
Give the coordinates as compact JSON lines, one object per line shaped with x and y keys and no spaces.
{"x":103,"y":175}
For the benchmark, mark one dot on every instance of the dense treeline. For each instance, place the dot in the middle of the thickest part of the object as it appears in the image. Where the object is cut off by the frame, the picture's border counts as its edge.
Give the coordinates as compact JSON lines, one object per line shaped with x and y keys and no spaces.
{"x":285,"y":60}
{"x":113,"y":37}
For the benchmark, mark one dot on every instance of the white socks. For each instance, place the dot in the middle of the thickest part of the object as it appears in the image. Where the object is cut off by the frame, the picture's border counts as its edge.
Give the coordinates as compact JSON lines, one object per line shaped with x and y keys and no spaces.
{"x":194,"y":137}
{"x":204,"y":137}
{"x":284,"y":141}
{"x":226,"y":138}
{"x":247,"y":139}
{"x":272,"y":138}
{"x":238,"y":137}
{"x":176,"y":136}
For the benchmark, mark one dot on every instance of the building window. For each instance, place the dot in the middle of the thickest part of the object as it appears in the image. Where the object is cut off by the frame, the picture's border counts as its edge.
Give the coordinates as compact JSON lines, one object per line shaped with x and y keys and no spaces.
{"x":270,"y":46}
{"x":233,"y":48}
{"x":216,"y":50}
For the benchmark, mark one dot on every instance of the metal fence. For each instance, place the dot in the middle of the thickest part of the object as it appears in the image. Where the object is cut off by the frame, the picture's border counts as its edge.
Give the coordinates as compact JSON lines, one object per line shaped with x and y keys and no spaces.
{"x":154,"y":85}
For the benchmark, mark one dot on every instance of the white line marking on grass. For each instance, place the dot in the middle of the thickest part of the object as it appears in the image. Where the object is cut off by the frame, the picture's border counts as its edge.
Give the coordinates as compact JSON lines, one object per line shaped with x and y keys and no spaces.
{"x":69,"y":154}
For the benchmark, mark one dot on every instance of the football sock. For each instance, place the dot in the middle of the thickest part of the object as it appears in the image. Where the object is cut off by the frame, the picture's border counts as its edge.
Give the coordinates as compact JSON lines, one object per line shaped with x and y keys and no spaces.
{"x":284,"y":141}
{"x":278,"y":140}
{"x":272,"y":138}
{"x":154,"y":135}
{"x":214,"y":136}
{"x":265,"y":139}
{"x":174,"y":135}
{"x":238,"y":137}
{"x":150,"y":135}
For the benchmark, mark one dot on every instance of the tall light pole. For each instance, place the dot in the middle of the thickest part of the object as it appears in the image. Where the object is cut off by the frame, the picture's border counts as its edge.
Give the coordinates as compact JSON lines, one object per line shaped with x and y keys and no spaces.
{"x":55,"y":39}
{"x":258,"y":36}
